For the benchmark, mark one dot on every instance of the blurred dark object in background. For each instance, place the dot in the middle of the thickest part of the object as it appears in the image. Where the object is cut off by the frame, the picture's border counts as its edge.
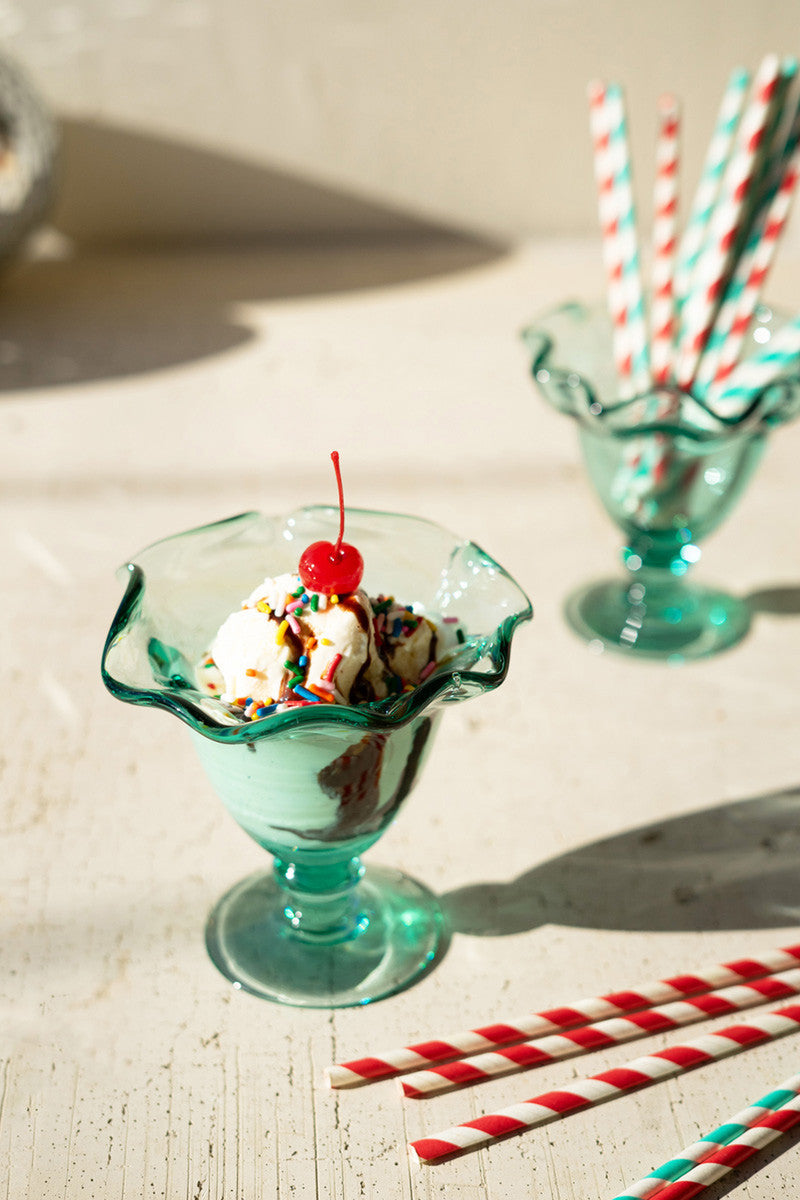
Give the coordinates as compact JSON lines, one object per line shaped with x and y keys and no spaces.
{"x":28,"y":150}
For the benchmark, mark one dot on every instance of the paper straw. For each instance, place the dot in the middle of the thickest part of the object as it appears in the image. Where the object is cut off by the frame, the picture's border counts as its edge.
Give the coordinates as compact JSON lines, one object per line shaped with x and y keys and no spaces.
{"x":607,"y":1085}
{"x":665,"y":230}
{"x":646,"y":460}
{"x":756,"y":272}
{"x":536,"y":1053}
{"x":605,"y":168}
{"x":555,"y":1020}
{"x":770,"y":152}
{"x":725,"y":223}
{"x":619,"y":236}
{"x":717,"y":155}
{"x":637,"y":320}
{"x":734,"y":1155}
{"x":717,"y":1153}
{"x":742,"y":296}
{"x":778,"y":356}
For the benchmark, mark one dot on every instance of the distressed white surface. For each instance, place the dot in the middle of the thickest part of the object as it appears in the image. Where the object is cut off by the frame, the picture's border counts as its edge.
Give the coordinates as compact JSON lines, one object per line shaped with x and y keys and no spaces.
{"x":148,"y":395}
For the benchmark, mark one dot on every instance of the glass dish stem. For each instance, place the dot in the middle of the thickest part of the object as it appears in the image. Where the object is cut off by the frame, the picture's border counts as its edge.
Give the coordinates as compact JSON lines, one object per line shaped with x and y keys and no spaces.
{"x":321,"y":898}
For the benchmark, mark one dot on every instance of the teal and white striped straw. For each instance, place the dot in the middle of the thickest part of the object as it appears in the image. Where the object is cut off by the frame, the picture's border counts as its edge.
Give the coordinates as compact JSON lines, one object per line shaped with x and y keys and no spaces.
{"x":717,"y":155}
{"x":775,"y":358}
{"x":740,"y":299}
{"x":736,"y":313}
{"x":772,"y":148}
{"x":606,"y":162}
{"x":731,"y":213}
{"x":636,"y":317}
{"x":731,"y":1131}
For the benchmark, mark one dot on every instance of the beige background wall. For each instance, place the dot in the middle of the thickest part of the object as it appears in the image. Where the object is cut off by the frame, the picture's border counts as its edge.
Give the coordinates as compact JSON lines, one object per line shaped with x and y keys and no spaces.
{"x":211,"y":117}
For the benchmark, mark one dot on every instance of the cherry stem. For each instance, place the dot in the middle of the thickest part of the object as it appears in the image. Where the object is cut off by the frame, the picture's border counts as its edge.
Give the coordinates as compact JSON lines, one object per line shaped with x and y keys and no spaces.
{"x":335,"y":460}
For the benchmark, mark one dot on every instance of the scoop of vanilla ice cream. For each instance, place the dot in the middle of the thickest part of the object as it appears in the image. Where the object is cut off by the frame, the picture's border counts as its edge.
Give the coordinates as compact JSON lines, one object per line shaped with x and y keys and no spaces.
{"x":351,"y":650}
{"x":248,"y":658}
{"x":253,"y":645}
{"x":409,"y":653}
{"x":344,"y":629}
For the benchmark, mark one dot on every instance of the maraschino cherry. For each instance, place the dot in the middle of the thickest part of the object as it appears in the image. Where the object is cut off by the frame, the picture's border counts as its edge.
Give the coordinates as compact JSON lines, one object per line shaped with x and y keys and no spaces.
{"x":333,"y":569}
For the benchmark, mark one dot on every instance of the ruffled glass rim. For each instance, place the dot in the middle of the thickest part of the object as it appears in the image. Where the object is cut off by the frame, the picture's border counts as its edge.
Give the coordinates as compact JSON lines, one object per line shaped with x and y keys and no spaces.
{"x":577,"y":394}
{"x":445,"y":684}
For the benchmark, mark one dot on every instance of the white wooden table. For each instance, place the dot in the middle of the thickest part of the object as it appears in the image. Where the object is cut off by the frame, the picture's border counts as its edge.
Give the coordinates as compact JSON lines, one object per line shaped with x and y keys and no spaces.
{"x":593,"y":824}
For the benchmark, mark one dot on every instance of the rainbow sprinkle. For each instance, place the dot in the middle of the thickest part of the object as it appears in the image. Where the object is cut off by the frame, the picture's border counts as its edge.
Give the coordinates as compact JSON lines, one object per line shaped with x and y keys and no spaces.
{"x":393,"y":622}
{"x":295,"y":672}
{"x":330,"y":670}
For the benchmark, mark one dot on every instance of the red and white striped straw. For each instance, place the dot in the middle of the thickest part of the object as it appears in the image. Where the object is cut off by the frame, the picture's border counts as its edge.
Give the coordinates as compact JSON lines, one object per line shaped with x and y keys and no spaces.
{"x":777,"y":357}
{"x":607,"y":1085}
{"x":755,"y":270}
{"x":665,"y":240}
{"x":718,"y":1165}
{"x":720,"y":1152}
{"x":705,"y":197}
{"x":600,"y":1036}
{"x":733,"y":204}
{"x":579,"y":1012}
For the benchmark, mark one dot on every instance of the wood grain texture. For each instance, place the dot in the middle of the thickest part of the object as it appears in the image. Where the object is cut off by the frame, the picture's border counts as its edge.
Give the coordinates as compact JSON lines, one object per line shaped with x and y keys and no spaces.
{"x":129,"y":1068}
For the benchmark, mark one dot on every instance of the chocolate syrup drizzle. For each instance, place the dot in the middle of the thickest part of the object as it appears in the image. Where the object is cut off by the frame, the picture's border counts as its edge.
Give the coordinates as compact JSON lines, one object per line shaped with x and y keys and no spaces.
{"x":362,"y":690}
{"x":353,"y":779}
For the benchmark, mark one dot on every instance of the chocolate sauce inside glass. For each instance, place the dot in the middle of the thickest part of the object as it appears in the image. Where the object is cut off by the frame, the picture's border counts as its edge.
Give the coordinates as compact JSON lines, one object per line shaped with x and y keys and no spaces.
{"x":353,"y":779}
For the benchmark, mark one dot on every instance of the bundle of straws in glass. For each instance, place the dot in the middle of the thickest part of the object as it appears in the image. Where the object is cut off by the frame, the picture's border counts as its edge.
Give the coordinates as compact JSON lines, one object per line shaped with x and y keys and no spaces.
{"x":696,"y":334}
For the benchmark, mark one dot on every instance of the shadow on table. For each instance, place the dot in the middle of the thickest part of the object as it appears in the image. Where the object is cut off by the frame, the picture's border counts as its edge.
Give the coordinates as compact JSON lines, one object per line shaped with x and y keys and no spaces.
{"x":735,"y":866}
{"x":778,"y":601}
{"x":162,"y":244}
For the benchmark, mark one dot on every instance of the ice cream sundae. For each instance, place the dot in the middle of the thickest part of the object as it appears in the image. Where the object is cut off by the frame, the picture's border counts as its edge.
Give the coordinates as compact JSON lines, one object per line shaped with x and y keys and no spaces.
{"x":316,"y":637}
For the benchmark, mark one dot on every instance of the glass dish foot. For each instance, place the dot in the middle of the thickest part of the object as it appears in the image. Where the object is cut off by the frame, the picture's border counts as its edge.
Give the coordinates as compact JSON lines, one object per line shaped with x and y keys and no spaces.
{"x":674,"y":622}
{"x":396,"y":937}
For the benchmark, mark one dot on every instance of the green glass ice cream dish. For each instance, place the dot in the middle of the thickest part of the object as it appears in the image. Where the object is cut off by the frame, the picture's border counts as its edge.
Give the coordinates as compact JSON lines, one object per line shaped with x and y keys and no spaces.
{"x":668,"y":468}
{"x":318,"y":783}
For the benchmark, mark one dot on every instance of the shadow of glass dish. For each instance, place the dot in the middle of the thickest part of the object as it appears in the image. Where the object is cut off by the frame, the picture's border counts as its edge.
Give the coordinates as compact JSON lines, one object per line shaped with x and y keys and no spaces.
{"x":734,"y":866}
{"x":780,"y":600}
{"x":171,"y":242}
